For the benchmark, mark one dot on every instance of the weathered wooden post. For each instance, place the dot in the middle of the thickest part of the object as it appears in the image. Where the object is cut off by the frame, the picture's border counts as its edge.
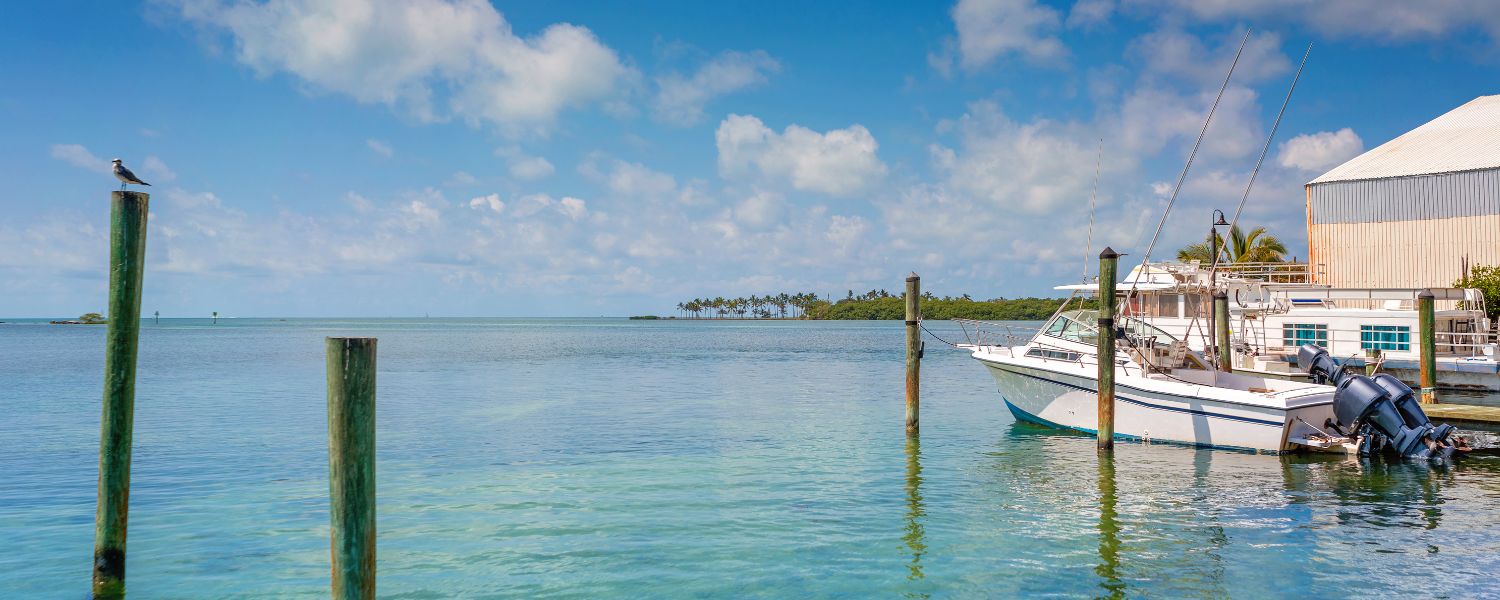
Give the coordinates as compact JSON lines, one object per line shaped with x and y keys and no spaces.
{"x":127,"y":253}
{"x":1108,"y":263}
{"x":913,"y":352}
{"x":1221,"y":331}
{"x":1427,"y":323}
{"x":351,"y":465}
{"x":156,"y":317}
{"x":216,"y":317}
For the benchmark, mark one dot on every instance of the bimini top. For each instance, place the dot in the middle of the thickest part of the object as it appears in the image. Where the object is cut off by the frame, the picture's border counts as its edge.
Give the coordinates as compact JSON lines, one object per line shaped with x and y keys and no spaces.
{"x":1153,"y":279}
{"x":1467,"y":138}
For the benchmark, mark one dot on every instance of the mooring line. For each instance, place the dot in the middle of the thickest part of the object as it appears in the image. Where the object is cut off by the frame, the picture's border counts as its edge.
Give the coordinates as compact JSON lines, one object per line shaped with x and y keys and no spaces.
{"x":934,"y":335}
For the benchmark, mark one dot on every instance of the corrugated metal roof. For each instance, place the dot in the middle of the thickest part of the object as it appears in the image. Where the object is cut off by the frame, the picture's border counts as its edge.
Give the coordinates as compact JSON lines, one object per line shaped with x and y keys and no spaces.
{"x":1467,"y":138}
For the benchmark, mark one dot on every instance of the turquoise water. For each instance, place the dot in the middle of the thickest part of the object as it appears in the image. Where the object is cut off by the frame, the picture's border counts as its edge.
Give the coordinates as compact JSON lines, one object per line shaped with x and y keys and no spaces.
{"x":610,"y":458}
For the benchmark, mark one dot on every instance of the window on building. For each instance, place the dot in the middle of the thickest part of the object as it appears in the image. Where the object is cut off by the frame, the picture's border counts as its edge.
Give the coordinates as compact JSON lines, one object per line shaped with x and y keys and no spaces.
{"x":1296,"y":334}
{"x":1384,"y":337}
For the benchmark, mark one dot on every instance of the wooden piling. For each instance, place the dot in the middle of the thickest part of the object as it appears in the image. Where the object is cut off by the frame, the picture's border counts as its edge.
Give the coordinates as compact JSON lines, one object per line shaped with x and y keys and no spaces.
{"x":1221,"y":331}
{"x":1427,"y":323}
{"x":913,"y":352}
{"x":351,"y":465}
{"x":1372,"y":361}
{"x":127,"y":253}
{"x":1108,"y":263}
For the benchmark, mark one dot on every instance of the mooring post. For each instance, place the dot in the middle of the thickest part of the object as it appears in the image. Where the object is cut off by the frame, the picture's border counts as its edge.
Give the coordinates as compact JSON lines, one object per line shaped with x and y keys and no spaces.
{"x":351,"y":465}
{"x":1108,"y":263}
{"x":913,"y":351}
{"x":1221,"y":331}
{"x":127,"y":253}
{"x":1427,"y":323}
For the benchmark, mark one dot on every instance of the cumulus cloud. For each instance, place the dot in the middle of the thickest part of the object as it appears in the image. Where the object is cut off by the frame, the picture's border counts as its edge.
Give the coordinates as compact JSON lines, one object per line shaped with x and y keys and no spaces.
{"x":490,"y":202}
{"x":841,"y":162}
{"x":409,"y":55}
{"x":680,"y":99}
{"x":1317,"y":152}
{"x":79,"y":156}
{"x":990,"y":29}
{"x":1032,"y":168}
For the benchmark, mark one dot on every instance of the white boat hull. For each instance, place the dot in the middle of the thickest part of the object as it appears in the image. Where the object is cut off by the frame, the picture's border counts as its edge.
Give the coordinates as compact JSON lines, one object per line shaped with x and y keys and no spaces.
{"x":1067,"y":400}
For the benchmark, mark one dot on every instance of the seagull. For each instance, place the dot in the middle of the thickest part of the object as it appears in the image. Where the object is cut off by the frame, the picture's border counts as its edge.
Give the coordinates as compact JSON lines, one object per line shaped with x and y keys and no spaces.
{"x":125,"y":176}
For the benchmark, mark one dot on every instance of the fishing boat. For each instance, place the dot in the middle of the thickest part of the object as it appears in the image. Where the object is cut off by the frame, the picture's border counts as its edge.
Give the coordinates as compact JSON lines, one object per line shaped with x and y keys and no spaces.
{"x":1164,"y":390}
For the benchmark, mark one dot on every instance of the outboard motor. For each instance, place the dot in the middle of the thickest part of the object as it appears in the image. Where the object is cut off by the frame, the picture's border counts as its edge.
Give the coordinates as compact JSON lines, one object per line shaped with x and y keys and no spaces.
{"x":1381,"y":412}
{"x":1319,"y":365}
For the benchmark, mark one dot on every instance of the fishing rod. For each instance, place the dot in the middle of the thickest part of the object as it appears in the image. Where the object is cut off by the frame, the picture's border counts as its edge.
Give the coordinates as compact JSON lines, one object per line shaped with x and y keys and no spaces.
{"x":1264,"y":149}
{"x":1146,"y":260}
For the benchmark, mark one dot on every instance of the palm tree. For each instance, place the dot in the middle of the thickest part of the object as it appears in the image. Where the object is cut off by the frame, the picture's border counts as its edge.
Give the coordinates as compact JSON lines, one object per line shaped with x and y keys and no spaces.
{"x":1257,"y":247}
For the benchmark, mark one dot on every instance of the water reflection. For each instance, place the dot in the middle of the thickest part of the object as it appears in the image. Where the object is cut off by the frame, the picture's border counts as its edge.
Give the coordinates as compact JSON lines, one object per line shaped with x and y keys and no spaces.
{"x":1109,"y":530}
{"x":916,"y":536}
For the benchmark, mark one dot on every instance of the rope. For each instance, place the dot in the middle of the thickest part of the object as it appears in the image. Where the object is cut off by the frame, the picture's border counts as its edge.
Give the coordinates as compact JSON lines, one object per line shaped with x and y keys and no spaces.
{"x":1088,"y":247}
{"x":934,"y":335}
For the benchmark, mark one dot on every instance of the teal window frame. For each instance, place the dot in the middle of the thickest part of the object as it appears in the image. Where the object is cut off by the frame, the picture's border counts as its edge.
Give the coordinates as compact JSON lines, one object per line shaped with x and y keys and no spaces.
{"x":1385,"y":337}
{"x":1296,"y":334}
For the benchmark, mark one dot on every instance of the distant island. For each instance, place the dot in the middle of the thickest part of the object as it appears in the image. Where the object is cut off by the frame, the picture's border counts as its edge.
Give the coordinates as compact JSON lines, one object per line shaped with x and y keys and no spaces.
{"x":85,"y":319}
{"x":869,"y":306}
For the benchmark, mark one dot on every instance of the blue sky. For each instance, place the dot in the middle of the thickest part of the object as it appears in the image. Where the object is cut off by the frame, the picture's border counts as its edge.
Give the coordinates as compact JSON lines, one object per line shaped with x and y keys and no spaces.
{"x":455,"y":157}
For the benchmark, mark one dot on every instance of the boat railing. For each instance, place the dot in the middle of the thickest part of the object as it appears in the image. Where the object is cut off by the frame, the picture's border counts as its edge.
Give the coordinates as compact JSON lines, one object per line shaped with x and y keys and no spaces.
{"x":1273,"y":272}
{"x":1449,"y":343}
{"x":990,"y":333}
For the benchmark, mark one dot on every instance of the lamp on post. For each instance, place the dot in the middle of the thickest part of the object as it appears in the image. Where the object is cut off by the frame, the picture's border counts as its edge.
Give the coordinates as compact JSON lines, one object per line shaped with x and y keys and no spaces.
{"x":1213,"y":271}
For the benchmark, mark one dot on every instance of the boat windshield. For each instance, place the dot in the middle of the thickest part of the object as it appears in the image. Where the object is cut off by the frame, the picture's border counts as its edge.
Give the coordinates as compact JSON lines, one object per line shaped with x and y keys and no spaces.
{"x":1081,"y":326}
{"x":1075,"y":326}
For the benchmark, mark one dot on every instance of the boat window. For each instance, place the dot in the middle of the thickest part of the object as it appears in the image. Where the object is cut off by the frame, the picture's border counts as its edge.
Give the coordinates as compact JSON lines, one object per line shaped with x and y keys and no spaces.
{"x":1296,"y":334}
{"x":1385,"y":337}
{"x":1167,"y":305}
{"x":1050,"y":353}
{"x":1066,"y":327}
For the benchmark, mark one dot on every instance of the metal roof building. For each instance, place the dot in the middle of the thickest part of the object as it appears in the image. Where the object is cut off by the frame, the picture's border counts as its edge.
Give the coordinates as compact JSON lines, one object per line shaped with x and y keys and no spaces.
{"x":1410,"y":212}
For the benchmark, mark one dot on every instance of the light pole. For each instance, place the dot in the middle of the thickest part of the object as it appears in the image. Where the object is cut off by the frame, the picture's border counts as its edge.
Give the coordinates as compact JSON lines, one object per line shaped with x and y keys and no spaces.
{"x":1213,"y":269}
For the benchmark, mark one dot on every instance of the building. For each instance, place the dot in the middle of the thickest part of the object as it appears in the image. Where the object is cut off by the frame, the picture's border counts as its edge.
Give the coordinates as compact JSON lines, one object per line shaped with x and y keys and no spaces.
{"x":1413,"y":211}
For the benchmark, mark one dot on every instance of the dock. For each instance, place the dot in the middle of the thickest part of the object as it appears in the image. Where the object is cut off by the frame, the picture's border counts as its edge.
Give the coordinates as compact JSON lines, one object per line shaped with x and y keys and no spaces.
{"x":1463,"y":414}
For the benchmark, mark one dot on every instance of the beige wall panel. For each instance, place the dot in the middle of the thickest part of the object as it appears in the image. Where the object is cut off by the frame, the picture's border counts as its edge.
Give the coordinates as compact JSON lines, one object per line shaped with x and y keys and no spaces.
{"x":1403,"y":254}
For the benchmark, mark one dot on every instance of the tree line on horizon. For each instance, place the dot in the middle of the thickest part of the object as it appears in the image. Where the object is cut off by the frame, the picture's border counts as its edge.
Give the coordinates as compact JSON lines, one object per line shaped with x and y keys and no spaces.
{"x":870,"y":305}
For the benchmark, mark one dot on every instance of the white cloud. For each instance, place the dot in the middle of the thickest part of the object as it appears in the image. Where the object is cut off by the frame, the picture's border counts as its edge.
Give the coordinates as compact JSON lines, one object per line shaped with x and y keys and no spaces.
{"x":154,"y":168}
{"x":380,"y":147}
{"x":574,"y":208}
{"x":523,"y":166}
{"x":990,"y":29}
{"x":1087,"y":14}
{"x":759,"y":211}
{"x":79,"y":156}
{"x":841,"y":162}
{"x":1174,"y":53}
{"x":1317,"y":152}
{"x":635,"y":180}
{"x":405,"y":56}
{"x":1034,"y":168}
{"x":680,"y":100}
{"x":491,"y":202}
{"x":1385,"y":21}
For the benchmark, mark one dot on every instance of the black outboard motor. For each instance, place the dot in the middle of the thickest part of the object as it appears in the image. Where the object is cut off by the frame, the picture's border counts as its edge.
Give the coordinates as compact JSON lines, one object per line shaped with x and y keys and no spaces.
{"x":1411,"y":411}
{"x":1380,"y":411}
{"x":1319,"y":365}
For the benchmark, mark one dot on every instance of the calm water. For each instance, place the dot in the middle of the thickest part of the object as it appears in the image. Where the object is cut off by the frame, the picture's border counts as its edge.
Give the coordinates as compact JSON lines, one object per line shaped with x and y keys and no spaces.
{"x":598,"y":458}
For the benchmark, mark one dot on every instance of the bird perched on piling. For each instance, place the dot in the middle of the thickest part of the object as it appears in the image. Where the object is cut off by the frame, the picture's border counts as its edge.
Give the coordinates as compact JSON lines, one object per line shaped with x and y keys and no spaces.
{"x":125,"y":176}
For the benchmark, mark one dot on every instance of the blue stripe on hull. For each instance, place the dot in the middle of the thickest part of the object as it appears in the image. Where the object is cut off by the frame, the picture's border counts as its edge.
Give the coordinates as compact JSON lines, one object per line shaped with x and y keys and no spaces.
{"x":1150,"y":405}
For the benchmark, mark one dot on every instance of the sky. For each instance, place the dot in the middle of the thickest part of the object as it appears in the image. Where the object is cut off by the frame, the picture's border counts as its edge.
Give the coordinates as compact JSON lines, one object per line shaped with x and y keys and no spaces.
{"x":466,"y":158}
